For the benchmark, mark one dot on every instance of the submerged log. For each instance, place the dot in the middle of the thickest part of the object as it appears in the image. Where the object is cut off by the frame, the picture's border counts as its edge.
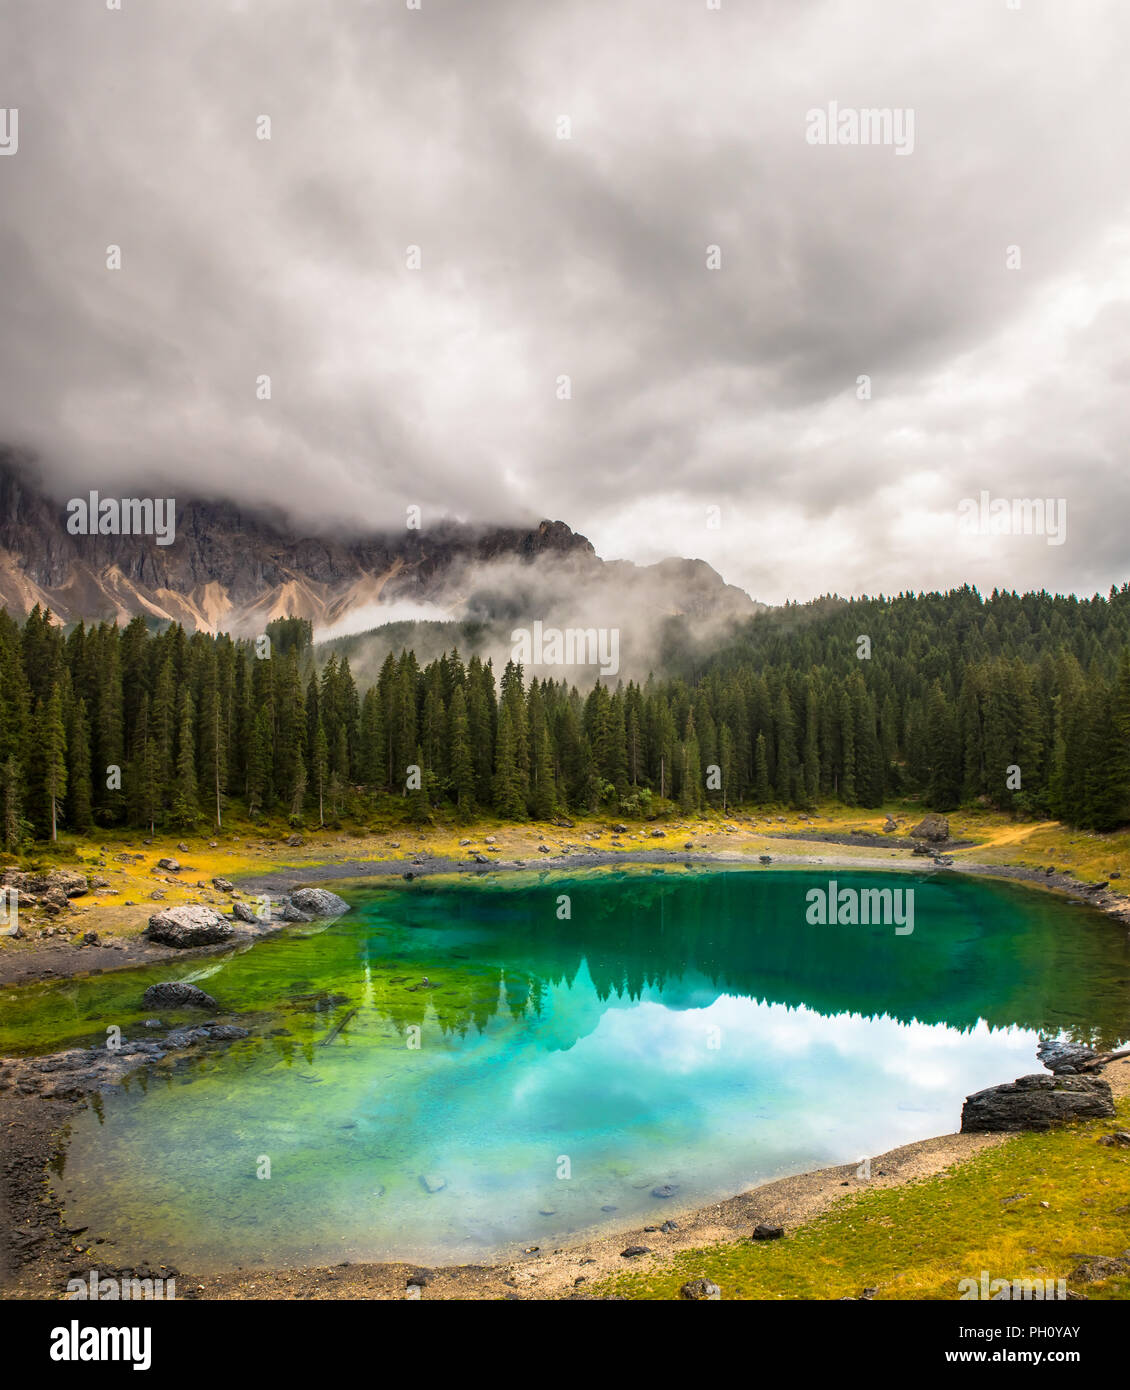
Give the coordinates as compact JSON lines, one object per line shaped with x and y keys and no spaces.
{"x":336,"y":1029}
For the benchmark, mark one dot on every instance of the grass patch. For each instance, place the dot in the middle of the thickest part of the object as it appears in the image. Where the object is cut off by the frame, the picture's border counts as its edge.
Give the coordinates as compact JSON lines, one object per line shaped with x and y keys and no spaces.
{"x":918,"y":1241}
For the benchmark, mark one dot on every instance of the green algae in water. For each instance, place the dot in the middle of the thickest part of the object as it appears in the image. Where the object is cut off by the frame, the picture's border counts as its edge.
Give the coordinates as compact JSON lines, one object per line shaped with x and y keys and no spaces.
{"x":682,"y":1030}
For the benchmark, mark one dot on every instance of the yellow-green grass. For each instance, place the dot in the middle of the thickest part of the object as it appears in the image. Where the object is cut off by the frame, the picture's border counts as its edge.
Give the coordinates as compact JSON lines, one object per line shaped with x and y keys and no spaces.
{"x":920,"y":1240}
{"x":243,"y":846}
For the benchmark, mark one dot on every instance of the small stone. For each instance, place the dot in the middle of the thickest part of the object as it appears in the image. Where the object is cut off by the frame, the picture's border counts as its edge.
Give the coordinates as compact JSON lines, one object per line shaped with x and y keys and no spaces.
{"x":700,"y":1290}
{"x":767,"y":1232}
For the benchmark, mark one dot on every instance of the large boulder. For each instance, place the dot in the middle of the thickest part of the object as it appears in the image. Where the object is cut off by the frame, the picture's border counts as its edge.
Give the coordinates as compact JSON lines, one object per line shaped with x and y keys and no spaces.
{"x":192,"y":925}
{"x":174,"y":994}
{"x":319,"y":902}
{"x":932,"y":827}
{"x":1037,"y":1102}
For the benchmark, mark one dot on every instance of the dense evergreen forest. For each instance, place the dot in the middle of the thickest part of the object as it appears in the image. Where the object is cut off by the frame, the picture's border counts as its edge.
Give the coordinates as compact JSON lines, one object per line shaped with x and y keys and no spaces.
{"x":1016,"y":701}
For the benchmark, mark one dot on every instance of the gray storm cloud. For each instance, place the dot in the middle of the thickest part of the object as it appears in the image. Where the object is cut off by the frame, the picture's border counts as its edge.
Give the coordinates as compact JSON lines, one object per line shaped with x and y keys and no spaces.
{"x":541,"y":258}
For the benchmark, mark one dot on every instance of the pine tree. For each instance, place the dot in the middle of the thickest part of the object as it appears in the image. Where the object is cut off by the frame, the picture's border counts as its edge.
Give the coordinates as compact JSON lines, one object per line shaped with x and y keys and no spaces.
{"x":78,"y":759}
{"x":185,"y":809}
{"x":320,"y":769}
{"x":459,"y":745}
{"x":54,"y":740}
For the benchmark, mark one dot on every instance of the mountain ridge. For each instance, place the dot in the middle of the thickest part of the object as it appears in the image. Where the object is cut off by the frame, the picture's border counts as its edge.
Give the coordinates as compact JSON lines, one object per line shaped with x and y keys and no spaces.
{"x":233,"y":569}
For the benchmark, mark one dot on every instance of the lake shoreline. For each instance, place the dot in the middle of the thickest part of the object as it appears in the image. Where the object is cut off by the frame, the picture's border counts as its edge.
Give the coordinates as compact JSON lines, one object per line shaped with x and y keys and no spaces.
{"x":42,"y":960}
{"x":37,"y":1251}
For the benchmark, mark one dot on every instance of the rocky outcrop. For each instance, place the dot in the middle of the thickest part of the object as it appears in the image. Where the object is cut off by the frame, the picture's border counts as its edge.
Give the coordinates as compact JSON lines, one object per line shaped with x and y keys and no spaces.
{"x":175,"y":994}
{"x":59,"y":884}
{"x":1064,"y":1058}
{"x":80,"y":1070}
{"x":1036,"y":1102}
{"x":318,"y":902}
{"x":932,"y":827}
{"x":192,"y":925}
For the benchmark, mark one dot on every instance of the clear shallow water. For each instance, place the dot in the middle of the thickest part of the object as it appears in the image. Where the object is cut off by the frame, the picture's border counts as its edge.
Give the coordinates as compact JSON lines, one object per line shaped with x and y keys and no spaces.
{"x":684,"y":1028}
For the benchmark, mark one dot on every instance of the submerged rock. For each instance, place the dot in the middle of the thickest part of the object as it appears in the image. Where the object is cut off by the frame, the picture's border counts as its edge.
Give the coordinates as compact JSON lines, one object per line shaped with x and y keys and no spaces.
{"x":431,"y":1182}
{"x":1036,"y":1102}
{"x":192,"y":925}
{"x":175,"y":994}
{"x":318,"y":902}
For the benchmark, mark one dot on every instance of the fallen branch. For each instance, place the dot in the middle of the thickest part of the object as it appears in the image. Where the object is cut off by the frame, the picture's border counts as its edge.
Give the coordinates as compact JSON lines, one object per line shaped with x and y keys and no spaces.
{"x":336,"y":1029}
{"x":1097,"y":1063}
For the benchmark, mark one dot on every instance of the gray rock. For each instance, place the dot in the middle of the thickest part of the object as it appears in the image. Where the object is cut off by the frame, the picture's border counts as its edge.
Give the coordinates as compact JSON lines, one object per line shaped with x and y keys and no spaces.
{"x":226,"y":1032}
{"x":634,"y":1250}
{"x":1100,"y":1267}
{"x":319,"y":902}
{"x":1036,"y":1102}
{"x":192,"y":925}
{"x":171,"y":866}
{"x":699,"y":1290}
{"x":668,"y":1189}
{"x":242,"y":912}
{"x":1063,"y":1058}
{"x":431,"y":1182}
{"x":175,"y":994}
{"x":932,"y":827}
{"x":224,"y":885}
{"x":287,"y":912}
{"x":767,"y":1232}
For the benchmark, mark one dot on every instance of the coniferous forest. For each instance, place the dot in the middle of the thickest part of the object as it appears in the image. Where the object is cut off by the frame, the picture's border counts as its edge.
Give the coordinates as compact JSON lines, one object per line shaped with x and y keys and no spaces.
{"x":1018,"y":702}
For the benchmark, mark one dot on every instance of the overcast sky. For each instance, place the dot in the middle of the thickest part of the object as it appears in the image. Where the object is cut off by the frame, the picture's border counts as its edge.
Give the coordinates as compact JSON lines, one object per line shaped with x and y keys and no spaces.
{"x":692,"y":388}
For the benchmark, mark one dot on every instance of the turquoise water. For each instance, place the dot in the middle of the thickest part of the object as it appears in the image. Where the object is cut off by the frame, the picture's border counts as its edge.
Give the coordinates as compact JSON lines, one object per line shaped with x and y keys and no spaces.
{"x":678,"y":1029}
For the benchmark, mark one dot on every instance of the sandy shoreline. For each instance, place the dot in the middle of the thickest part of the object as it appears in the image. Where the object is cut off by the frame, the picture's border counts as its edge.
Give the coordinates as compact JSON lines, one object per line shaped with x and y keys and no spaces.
{"x":37,"y":1253}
